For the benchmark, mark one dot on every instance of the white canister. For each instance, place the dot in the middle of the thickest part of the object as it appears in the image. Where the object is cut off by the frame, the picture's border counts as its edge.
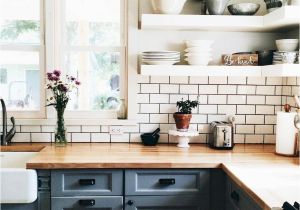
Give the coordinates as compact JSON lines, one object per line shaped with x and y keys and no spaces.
{"x":285,"y":133}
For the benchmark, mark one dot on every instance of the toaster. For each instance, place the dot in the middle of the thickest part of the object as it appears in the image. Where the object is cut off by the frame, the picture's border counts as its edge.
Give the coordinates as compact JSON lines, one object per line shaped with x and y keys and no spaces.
{"x":221,"y":135}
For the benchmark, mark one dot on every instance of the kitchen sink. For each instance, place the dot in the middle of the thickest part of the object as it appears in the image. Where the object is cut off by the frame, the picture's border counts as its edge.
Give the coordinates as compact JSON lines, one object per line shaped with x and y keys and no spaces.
{"x":18,"y":184}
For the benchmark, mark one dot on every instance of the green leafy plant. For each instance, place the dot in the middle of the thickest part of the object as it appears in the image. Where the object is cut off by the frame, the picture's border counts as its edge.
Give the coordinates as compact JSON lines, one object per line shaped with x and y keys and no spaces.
{"x":185,"y":107}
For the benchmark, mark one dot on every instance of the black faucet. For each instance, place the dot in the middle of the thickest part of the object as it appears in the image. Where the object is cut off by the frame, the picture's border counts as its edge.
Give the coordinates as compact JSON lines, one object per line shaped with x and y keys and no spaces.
{"x":6,"y":136}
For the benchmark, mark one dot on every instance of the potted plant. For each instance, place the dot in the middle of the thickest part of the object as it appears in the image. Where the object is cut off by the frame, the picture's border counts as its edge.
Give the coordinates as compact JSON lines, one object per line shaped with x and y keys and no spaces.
{"x":184,"y":114}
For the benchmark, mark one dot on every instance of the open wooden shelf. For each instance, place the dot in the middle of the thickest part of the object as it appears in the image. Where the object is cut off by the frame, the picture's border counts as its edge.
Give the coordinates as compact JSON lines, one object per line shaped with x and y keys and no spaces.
{"x":285,"y":17}
{"x":282,"y":70}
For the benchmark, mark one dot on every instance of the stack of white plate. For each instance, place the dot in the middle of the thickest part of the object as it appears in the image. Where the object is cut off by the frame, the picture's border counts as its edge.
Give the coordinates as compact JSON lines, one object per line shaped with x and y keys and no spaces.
{"x":199,"y":52}
{"x":282,"y":57}
{"x":160,"y":57}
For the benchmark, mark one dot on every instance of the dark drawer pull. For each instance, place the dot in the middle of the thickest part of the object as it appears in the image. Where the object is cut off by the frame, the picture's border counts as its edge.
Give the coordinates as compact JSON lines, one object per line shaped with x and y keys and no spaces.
{"x":87,"y":181}
{"x":87,"y":202}
{"x":167,"y":181}
{"x":235,"y":196}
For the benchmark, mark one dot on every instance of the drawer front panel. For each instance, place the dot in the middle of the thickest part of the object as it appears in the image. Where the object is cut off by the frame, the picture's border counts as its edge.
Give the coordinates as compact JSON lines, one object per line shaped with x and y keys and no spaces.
{"x":184,"y":202}
{"x":83,"y":202}
{"x":86,"y":182}
{"x":166,"y":182}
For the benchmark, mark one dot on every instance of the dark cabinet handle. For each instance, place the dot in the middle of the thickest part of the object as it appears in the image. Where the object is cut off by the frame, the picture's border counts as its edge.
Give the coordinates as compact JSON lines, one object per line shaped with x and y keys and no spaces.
{"x":167,"y":181}
{"x":90,"y":202}
{"x":130,"y":202}
{"x":87,"y":181}
{"x":235,"y":196}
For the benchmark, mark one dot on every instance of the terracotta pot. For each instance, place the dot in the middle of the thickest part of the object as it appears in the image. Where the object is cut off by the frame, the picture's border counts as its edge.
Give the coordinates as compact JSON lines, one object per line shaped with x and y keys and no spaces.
{"x":182,"y":121}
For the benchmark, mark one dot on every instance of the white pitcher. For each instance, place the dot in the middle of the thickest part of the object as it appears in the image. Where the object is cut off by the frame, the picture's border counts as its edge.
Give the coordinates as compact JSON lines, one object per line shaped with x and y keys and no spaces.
{"x":172,"y":7}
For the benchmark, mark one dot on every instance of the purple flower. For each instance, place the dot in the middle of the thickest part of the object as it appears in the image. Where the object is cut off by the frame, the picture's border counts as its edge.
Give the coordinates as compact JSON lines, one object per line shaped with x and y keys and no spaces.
{"x":63,"y":88}
{"x":77,"y":83}
{"x":55,"y":78}
{"x":57,"y":73}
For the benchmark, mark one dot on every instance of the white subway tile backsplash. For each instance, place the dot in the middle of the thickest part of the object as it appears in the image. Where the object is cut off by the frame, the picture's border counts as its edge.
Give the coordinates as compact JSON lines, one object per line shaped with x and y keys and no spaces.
{"x":91,"y":129}
{"x":270,"y":139}
{"x":149,"y":88}
{"x":40,"y":137}
{"x":239,"y":138}
{"x":74,"y":128}
{"x":168,"y":108}
{"x":256,"y":80}
{"x":270,"y":119}
{"x":208,"y":89}
{"x":170,"y":88}
{"x":31,"y":128}
{"x":256,"y":99}
{"x":245,"y":129}
{"x":147,"y":128}
{"x":254,"y":139}
{"x":237,"y":80}
{"x":104,"y":129}
{"x":159,"y":98}
{"x":199,"y":118}
{"x":198,"y":80}
{"x":217,"y":99}
{"x":48,"y":128}
{"x":264,"y":109}
{"x":159,"y":118}
{"x":273,"y":100}
{"x":274,"y":81}
{"x":216,"y":117}
{"x":227,"y":89}
{"x":245,"y":109}
{"x":179,"y":80}
{"x":81,"y":137}
{"x":208,"y":109}
{"x":189,"y":89}
{"x":164,"y":128}
{"x":265,"y":90}
{"x":243,"y":89}
{"x":142,"y":98}
{"x":236,"y":99}
{"x":159,"y":79}
{"x":21,"y":137}
{"x":217,"y":80}
{"x":143,"y":118}
{"x":100,"y":137}
{"x":255,"y":119}
{"x":124,"y":138}
{"x":143,"y":79}
{"x":227,"y":109}
{"x":177,"y":97}
{"x":149,"y":108}
{"x":264,"y":129}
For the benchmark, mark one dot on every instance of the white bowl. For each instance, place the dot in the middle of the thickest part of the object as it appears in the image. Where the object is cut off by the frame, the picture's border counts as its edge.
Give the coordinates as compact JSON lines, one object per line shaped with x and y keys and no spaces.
{"x":287,"y":44}
{"x":193,"y":61}
{"x":201,"y":55}
{"x":198,"y":50}
{"x":172,"y":7}
{"x":205,"y":44}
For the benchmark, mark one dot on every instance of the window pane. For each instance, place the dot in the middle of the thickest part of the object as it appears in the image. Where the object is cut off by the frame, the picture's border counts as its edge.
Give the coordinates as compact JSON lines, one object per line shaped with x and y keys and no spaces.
{"x":19,"y":21}
{"x":93,"y":22}
{"x":99,"y":74}
{"x":20,"y":80}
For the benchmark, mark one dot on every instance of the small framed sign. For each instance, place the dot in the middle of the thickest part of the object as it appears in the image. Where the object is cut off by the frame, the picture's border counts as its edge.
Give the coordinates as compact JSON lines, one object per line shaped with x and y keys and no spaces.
{"x":240,"y":60}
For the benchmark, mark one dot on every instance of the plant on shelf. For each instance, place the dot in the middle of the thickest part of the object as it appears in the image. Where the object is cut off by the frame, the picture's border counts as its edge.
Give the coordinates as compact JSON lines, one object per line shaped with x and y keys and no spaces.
{"x":60,"y":89}
{"x":184,"y":114}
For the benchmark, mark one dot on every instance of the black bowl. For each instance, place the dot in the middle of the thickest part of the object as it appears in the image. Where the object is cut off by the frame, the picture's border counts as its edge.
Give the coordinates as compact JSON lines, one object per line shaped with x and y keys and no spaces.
{"x":265,"y":57}
{"x":149,"y":140}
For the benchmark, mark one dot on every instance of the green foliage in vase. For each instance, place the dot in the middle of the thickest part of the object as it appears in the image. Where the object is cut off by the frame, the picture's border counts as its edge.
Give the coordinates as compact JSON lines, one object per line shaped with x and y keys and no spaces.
{"x":185,"y":107}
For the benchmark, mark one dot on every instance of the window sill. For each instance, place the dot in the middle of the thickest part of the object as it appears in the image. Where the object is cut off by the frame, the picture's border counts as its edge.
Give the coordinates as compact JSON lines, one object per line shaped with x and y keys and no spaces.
{"x":76,"y":122}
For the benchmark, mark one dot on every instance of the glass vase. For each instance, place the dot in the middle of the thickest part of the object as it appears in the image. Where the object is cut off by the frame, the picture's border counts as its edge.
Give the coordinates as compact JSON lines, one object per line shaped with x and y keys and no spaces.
{"x":60,"y":134}
{"x":121,"y":113}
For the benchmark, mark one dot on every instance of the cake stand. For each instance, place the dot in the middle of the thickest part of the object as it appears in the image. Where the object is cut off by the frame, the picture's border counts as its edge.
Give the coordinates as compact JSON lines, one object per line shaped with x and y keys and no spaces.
{"x":183,"y":137}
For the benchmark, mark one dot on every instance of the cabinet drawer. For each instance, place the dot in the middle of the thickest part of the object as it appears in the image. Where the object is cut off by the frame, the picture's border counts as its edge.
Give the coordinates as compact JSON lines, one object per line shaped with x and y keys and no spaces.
{"x":184,"y":202}
{"x":91,"y":202}
{"x":86,"y":182}
{"x":166,"y":182}
{"x":239,"y":199}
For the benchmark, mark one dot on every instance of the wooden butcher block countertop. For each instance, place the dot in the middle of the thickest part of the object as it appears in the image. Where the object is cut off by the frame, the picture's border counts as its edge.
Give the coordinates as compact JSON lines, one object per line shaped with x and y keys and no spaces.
{"x":268,"y":178}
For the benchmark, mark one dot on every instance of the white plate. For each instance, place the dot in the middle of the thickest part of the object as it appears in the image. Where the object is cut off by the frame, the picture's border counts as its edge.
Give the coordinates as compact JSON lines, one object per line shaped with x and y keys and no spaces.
{"x":160,"y":52}
{"x":161,"y":57}
{"x":161,"y":62}
{"x":198,"y":50}
{"x":198,"y":54}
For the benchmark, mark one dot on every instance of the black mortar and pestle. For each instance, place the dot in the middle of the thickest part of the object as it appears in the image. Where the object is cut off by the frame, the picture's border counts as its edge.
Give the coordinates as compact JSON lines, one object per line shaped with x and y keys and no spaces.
{"x":150,"y":139}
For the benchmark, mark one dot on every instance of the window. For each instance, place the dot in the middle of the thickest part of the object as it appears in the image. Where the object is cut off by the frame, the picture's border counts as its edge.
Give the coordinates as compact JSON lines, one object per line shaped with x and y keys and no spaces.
{"x":21,"y":55}
{"x":92,"y":48}
{"x":84,"y":38}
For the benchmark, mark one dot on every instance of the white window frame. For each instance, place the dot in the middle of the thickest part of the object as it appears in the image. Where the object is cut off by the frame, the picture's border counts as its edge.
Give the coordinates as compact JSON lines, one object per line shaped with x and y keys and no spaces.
{"x":55,"y":52}
{"x":33,"y":48}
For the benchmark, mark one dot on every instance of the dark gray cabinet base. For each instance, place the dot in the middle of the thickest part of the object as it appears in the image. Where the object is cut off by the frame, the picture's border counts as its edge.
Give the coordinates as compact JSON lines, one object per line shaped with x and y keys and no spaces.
{"x":195,"y":202}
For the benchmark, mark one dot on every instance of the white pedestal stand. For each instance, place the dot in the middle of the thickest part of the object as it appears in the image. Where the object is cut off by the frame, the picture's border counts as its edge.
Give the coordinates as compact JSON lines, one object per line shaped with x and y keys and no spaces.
{"x":183,"y":137}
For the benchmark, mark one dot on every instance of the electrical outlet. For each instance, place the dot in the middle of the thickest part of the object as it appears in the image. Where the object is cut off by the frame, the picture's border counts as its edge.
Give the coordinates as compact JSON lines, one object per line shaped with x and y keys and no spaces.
{"x":116,"y":130}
